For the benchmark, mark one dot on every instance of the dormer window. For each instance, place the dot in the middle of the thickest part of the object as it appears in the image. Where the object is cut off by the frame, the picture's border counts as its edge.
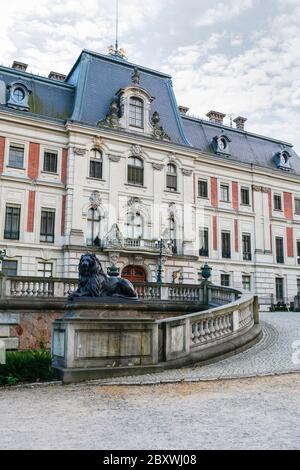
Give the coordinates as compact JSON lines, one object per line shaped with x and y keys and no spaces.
{"x":220,"y":144}
{"x":18,"y":96}
{"x":281,"y":160}
{"x":136,"y":112}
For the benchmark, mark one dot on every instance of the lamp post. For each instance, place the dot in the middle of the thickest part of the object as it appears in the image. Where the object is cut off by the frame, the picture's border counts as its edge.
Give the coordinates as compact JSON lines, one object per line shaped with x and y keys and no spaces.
{"x":2,"y":256}
{"x":161,"y":244}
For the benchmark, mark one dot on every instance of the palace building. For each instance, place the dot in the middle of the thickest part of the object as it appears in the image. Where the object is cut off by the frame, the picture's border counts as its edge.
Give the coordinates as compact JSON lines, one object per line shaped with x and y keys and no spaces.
{"x":104,"y":160}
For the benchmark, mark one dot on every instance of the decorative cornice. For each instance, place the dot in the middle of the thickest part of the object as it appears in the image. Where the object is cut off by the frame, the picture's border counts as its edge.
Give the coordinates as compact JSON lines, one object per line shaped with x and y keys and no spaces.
{"x":114,"y":158}
{"x":79,"y":151}
{"x":261,"y":189}
{"x":157,"y":166}
{"x":186,"y":172}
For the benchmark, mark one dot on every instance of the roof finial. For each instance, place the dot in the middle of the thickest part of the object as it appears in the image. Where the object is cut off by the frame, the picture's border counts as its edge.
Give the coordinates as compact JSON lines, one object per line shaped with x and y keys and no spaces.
{"x":117,"y":26}
{"x":115,"y":51}
{"x":135,"y":76}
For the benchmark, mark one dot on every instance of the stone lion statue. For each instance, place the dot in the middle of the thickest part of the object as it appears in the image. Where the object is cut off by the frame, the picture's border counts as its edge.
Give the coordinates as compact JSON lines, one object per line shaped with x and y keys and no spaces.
{"x":93,"y":282}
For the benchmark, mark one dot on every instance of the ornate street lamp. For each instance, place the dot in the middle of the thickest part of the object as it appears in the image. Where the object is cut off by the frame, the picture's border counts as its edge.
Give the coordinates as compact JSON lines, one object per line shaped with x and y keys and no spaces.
{"x":2,"y":256}
{"x":161,"y":244}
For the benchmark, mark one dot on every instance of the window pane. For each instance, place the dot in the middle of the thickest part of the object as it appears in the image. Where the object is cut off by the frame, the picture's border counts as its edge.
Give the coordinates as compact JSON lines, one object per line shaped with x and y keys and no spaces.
{"x":50,"y":162}
{"x":135,"y":171}
{"x":279,"y":250}
{"x":204,"y":250}
{"x":16,"y":156}
{"x":245,"y":196}
{"x":202,"y":189}
{"x":45,"y":269}
{"x":297,"y":206}
{"x":247,"y":255}
{"x":279,"y":289}
{"x":10,"y":268}
{"x":93,"y":228}
{"x":225,"y":280}
{"x":277,"y":203}
{"x":246,"y":282}
{"x":96,"y":169}
{"x":12,"y":223}
{"x":226,"y":245}
{"x":47,"y":226}
{"x":136,"y":111}
{"x":224,"y":193}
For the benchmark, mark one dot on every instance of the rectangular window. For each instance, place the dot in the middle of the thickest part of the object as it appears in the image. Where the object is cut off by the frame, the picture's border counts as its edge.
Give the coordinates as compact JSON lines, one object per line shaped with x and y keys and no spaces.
{"x":297,"y":206}
{"x":202,"y":189}
{"x":279,"y":289}
{"x":298,"y":251}
{"x":50,"y":162}
{"x":135,"y":175}
{"x":246,"y":280}
{"x":224,"y":190}
{"x":247,"y":255}
{"x":12,"y":223}
{"x":204,"y":249}
{"x":279,"y":250}
{"x":47,"y":226}
{"x":225,"y":280}
{"x":226,"y":245}
{"x":298,"y":285}
{"x":96,"y":169}
{"x":10,"y":268}
{"x":245,"y":196}
{"x":45,"y":269}
{"x":16,"y":156}
{"x":172,"y":182}
{"x":277,"y":202}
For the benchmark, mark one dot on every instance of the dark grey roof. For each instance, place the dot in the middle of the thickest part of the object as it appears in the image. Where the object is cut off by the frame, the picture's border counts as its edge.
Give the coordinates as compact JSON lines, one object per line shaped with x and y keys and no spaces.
{"x":100,"y":77}
{"x":244,"y":147}
{"x":49,"y":98}
{"x":87,"y":92}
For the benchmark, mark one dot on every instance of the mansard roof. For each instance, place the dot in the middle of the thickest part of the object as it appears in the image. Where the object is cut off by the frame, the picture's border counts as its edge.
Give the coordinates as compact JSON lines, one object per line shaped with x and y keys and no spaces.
{"x":245,"y":147}
{"x":95,"y":79}
{"x":98,"y":79}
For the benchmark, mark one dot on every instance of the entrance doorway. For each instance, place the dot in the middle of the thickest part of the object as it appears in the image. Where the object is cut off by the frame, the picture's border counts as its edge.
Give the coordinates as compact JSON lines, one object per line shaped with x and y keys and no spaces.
{"x":134,"y":274}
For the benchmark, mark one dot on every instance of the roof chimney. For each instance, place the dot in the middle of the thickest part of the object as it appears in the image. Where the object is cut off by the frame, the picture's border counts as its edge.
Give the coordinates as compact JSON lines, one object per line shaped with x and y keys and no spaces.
{"x":240,"y":122}
{"x":216,"y":117}
{"x":19,"y":66}
{"x":57,"y":76}
{"x":183,"y":109}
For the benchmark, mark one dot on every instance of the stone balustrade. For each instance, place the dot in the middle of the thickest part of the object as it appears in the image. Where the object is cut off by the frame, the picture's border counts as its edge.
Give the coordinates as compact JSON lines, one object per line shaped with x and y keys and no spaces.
{"x":21,"y":286}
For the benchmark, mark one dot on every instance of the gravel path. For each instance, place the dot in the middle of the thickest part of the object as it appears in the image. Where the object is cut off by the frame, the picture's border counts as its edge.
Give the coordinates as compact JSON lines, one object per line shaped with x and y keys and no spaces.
{"x":244,"y":413}
{"x":257,"y":413}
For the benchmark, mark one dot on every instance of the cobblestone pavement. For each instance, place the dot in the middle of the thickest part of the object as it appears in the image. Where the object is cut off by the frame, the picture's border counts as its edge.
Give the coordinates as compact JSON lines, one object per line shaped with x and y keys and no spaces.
{"x":272,"y":355}
{"x":256,"y":413}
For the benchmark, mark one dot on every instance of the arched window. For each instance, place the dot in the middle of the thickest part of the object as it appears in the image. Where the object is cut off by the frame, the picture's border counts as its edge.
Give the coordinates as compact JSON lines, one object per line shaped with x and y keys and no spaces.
{"x":134,"y":225}
{"x":171,"y":177}
{"x":93,"y":227}
{"x":135,"y":171}
{"x":96,"y":163}
{"x":172,"y":233}
{"x":136,"y":112}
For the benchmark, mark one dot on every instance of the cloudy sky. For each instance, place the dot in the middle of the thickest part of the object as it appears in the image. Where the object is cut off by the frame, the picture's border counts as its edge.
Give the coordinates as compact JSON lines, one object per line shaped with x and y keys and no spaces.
{"x":240,"y":57}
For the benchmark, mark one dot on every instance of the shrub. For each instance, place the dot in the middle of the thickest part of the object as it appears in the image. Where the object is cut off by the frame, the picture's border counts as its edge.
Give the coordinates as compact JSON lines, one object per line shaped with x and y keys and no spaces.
{"x":27,"y":366}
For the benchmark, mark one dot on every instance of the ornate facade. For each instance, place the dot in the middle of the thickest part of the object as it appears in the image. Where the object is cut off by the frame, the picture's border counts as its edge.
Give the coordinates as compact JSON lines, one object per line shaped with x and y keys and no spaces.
{"x":105,"y":160}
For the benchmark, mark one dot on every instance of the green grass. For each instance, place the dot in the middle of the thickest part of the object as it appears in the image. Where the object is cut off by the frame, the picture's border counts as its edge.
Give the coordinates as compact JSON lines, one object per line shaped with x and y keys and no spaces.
{"x":27,"y":366}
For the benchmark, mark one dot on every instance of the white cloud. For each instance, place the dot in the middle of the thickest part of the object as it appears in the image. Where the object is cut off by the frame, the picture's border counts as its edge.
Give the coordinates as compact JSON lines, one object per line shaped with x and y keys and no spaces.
{"x":223,"y":11}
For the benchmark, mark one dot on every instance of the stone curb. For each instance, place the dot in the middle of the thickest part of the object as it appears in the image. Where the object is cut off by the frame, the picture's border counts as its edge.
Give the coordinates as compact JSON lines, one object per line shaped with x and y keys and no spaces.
{"x":151,"y":382}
